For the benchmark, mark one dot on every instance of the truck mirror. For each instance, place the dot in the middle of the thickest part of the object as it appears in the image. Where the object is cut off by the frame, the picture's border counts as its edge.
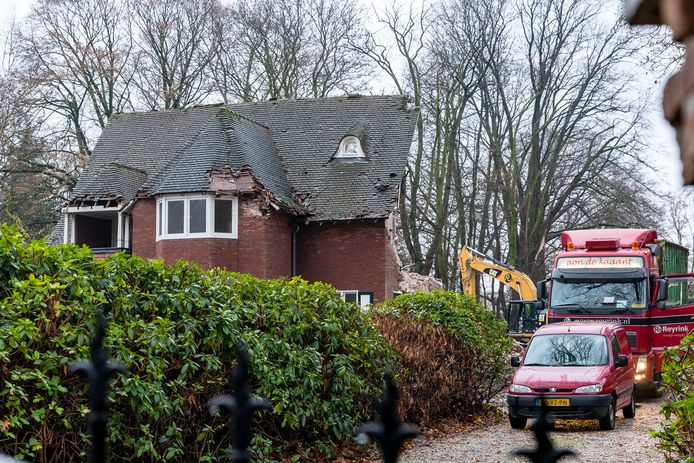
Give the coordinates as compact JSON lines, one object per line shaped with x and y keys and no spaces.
{"x":663,"y":286}
{"x":515,"y":361}
{"x":541,"y":287}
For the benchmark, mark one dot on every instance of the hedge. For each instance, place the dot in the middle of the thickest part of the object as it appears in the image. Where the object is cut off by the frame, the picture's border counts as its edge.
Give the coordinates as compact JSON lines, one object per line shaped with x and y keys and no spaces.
{"x":319,"y":360}
{"x":676,"y":435}
{"x":454,"y":353}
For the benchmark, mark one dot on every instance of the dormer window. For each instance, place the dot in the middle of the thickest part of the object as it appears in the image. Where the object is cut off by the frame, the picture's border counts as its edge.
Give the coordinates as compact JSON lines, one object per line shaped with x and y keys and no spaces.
{"x":350,"y":148}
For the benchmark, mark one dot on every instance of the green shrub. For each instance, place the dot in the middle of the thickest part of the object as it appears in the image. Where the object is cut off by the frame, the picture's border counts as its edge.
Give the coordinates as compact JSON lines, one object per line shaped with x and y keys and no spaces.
{"x":676,"y":435}
{"x":318,"y":359}
{"x":454,"y":353}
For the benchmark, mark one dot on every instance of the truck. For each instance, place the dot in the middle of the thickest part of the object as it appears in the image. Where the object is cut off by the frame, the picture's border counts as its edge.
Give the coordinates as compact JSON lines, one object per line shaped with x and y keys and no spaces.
{"x":629,"y":276}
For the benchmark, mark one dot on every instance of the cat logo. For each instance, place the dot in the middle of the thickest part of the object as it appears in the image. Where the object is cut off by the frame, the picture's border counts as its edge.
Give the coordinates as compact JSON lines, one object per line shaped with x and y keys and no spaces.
{"x":492,"y":272}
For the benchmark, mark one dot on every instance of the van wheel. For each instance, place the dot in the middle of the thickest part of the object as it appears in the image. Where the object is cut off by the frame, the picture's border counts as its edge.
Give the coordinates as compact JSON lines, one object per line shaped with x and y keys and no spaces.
{"x":517,"y":423}
{"x":630,"y":410}
{"x":608,"y":422}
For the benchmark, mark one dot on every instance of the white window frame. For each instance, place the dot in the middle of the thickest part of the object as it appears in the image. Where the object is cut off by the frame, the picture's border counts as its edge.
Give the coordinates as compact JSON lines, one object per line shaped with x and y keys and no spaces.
{"x":162,"y":208}
{"x":341,"y":151}
{"x":360,"y":296}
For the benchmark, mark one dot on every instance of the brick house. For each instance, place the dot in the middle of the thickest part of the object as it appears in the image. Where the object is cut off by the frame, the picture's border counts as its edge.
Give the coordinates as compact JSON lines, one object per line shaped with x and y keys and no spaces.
{"x":273,"y":188}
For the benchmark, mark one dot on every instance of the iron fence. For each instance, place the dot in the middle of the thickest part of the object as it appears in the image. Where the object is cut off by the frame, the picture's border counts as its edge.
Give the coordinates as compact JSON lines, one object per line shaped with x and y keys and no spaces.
{"x":390,"y":434}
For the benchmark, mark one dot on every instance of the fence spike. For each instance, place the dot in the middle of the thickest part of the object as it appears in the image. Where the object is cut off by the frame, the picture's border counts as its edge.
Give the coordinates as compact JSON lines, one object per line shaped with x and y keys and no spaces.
{"x":545,"y":451}
{"x":98,"y":371}
{"x":390,"y":433}
{"x":239,"y":407}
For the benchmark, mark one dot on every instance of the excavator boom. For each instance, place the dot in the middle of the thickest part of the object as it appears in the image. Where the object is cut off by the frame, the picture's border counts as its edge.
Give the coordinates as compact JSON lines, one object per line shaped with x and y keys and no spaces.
{"x":472,"y":262}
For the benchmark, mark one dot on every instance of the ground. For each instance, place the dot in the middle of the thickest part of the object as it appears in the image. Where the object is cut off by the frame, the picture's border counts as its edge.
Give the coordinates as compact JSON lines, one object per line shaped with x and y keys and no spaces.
{"x":491,"y":443}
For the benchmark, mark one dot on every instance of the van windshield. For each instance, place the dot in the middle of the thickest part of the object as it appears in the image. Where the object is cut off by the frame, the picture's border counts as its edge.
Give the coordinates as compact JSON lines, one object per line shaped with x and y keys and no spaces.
{"x":599,"y":296}
{"x":585,"y":350}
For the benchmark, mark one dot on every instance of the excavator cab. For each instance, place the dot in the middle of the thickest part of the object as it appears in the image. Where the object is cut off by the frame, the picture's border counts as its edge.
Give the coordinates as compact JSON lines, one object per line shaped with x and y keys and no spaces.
{"x":523,"y":319}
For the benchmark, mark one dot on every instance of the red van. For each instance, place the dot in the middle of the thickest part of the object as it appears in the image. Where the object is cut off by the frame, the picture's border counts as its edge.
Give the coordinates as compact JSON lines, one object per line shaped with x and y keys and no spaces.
{"x":576,"y":370}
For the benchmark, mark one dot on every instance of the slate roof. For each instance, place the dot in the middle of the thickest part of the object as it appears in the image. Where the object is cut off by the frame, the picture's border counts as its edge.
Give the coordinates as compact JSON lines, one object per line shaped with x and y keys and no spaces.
{"x":287,"y":144}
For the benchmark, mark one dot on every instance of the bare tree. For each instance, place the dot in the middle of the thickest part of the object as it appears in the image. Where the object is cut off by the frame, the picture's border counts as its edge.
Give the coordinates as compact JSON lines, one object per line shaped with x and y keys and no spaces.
{"x":408,"y":31}
{"x":527,"y":128}
{"x":74,"y":58}
{"x":288,"y":49}
{"x":175,"y":47}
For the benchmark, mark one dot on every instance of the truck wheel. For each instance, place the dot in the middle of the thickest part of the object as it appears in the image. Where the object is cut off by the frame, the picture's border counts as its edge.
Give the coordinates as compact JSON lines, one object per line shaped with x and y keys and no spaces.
{"x":517,"y":423}
{"x":630,"y":410}
{"x":608,"y":422}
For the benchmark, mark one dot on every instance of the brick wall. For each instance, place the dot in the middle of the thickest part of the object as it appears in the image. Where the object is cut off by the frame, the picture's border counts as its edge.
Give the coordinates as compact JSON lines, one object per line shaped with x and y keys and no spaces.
{"x":265,"y":239}
{"x":143,"y":228}
{"x":354,"y":255}
{"x":263,"y":247}
{"x":678,"y":98}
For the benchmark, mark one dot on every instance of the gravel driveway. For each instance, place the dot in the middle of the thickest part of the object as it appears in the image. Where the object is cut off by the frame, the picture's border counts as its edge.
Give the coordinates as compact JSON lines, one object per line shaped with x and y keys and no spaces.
{"x":629,"y":442}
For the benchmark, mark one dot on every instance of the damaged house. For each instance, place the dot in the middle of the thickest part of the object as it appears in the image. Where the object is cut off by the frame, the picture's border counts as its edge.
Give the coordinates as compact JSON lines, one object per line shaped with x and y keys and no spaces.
{"x":273,"y":188}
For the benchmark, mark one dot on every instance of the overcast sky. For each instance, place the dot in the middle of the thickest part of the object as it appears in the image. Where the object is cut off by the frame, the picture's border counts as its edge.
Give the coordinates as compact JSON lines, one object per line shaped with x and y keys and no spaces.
{"x":665,"y":154}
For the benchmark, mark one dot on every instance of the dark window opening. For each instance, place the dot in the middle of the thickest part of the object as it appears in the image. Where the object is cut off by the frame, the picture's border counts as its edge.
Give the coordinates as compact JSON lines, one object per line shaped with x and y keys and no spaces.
{"x":94,"y":232}
{"x":223,"y":215}
{"x":175,"y":216}
{"x":198,"y":216}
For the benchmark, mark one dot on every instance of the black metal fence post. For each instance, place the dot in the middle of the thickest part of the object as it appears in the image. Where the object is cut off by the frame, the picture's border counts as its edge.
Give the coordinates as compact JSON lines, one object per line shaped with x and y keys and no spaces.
{"x":390,"y":433}
{"x":545,"y":451}
{"x":240,"y":408}
{"x":97,"y":372}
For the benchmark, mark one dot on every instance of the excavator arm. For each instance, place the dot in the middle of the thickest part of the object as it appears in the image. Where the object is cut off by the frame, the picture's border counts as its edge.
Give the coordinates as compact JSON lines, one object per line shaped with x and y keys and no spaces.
{"x":472,"y":262}
{"x":521,"y":315}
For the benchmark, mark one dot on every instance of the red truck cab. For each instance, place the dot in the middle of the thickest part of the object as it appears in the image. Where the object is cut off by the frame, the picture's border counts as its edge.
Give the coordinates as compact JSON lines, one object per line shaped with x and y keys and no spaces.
{"x":620,"y":275}
{"x":576,"y":371}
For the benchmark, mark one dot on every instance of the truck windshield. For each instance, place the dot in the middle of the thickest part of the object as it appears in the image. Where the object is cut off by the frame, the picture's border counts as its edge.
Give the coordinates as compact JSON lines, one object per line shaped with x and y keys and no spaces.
{"x":585,"y":350}
{"x":606,"y":296}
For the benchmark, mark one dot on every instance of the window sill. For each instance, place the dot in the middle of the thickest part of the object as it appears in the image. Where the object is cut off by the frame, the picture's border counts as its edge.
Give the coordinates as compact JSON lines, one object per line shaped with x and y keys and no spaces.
{"x":352,"y":160}
{"x":197,"y":236}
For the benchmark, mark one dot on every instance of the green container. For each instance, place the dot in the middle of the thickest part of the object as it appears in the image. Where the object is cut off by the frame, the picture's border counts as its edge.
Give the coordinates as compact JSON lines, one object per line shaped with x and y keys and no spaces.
{"x":674,"y":259}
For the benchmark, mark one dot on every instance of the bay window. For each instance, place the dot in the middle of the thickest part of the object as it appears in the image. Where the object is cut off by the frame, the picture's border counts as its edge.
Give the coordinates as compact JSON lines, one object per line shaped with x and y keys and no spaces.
{"x":196,"y":216}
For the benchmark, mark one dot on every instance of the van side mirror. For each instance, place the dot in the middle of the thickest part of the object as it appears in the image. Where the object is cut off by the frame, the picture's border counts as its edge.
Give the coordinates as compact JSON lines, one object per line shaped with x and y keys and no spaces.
{"x":663,"y":286}
{"x":621,"y":361}
{"x":515,"y":361}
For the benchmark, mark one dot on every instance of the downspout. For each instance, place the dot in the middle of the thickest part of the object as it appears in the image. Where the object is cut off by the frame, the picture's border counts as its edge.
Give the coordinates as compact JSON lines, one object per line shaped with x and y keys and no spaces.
{"x":124,"y":238}
{"x":295,"y":232}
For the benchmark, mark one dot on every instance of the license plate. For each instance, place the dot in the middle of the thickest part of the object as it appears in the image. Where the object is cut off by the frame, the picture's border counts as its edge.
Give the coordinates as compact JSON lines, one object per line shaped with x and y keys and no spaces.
{"x":552,"y":402}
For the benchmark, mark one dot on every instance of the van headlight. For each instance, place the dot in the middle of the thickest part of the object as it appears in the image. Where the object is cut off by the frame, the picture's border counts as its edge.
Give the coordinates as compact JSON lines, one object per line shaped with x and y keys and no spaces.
{"x":591,"y":388}
{"x":642,"y":364}
{"x":519,"y":388}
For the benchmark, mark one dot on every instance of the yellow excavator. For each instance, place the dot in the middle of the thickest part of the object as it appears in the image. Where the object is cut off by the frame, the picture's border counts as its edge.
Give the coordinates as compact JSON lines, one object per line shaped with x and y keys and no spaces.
{"x":521,"y":315}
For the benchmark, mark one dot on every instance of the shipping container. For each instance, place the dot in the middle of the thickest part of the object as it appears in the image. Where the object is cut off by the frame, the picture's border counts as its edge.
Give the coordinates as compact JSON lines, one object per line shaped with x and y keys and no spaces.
{"x":673,"y":258}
